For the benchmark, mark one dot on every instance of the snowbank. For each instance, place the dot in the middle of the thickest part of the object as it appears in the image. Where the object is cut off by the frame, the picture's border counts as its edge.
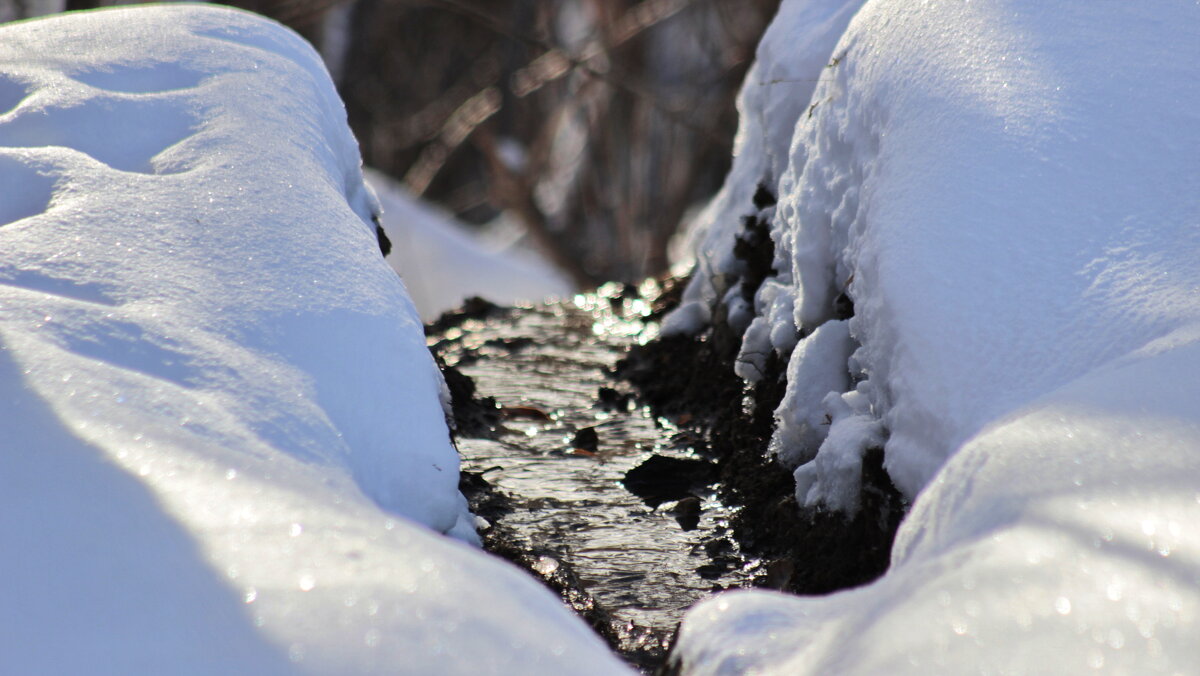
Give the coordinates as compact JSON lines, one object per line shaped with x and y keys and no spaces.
{"x":1006,"y":190}
{"x":224,"y":450}
{"x":790,"y":61}
{"x":442,"y":264}
{"x":1060,"y":541}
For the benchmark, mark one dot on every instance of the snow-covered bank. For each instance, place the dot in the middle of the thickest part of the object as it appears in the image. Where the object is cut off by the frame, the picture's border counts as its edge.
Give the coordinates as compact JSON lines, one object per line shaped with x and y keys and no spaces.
{"x":224,"y":450}
{"x":1060,"y":541}
{"x":442,"y":264}
{"x":1007,"y":191}
{"x":789,"y":63}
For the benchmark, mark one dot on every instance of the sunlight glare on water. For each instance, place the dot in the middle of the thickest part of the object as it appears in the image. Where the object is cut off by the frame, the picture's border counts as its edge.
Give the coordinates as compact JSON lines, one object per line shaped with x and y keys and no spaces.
{"x":634,"y":559}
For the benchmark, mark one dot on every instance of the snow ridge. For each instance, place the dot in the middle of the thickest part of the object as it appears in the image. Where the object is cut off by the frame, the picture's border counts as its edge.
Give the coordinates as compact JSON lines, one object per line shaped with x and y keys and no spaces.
{"x":223,"y":443}
{"x":1005,"y":190}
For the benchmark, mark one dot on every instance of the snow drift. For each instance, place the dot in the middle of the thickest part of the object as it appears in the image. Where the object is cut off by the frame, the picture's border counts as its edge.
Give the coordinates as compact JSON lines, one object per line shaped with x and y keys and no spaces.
{"x":1007,"y":192}
{"x":224,"y":450}
{"x":442,"y":263}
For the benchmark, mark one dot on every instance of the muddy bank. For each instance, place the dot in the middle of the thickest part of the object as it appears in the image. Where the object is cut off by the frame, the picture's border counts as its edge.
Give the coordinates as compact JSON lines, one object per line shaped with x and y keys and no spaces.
{"x":800,"y":550}
{"x":629,"y":472}
{"x":804,"y":550}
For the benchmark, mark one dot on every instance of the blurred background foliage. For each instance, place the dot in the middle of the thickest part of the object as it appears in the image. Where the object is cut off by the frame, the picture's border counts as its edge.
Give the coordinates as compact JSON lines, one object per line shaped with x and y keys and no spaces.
{"x":593,"y":124}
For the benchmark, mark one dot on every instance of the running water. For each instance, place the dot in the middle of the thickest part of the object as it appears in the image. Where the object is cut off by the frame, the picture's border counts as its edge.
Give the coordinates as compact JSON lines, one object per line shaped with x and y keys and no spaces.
{"x":569,"y":435}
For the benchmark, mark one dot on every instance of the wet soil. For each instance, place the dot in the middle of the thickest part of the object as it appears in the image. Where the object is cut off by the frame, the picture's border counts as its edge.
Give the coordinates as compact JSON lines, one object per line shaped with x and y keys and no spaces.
{"x":799,"y":550}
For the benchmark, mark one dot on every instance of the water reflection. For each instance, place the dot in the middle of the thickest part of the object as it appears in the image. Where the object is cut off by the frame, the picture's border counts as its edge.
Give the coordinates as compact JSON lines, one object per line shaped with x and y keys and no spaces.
{"x":645,"y":564}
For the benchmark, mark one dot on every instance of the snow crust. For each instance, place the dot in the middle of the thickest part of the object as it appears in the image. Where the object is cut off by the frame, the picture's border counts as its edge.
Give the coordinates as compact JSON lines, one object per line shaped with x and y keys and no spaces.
{"x":1006,"y":190}
{"x":442,"y":264}
{"x":223,"y":446}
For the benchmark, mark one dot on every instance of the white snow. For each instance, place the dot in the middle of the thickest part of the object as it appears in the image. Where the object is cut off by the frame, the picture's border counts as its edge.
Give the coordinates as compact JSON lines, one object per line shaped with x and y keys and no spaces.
{"x":1007,"y":189}
{"x":442,"y":264}
{"x":817,"y":369}
{"x":224,"y":450}
{"x":790,"y":62}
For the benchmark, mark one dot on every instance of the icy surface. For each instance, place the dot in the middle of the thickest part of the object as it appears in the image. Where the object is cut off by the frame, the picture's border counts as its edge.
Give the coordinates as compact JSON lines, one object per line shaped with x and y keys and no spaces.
{"x":224,"y":450}
{"x":1007,"y":190}
{"x":442,"y":264}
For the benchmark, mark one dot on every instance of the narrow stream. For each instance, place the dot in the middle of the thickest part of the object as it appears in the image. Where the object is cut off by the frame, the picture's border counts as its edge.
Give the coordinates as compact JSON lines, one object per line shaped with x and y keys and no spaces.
{"x":568,"y":435}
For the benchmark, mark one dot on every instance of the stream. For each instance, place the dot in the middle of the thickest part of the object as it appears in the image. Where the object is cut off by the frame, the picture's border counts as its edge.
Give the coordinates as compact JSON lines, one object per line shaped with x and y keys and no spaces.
{"x":551,"y":472}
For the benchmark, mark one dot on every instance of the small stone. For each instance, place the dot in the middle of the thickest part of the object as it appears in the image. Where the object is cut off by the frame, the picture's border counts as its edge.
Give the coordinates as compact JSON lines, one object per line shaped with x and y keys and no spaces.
{"x":779,"y":574}
{"x":586,"y":439}
{"x":687,"y":512}
{"x":661,"y":478}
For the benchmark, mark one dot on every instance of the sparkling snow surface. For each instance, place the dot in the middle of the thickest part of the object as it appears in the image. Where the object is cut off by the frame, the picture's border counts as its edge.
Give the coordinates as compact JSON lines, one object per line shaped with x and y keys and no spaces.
{"x":224,"y":450}
{"x":1010,"y":192}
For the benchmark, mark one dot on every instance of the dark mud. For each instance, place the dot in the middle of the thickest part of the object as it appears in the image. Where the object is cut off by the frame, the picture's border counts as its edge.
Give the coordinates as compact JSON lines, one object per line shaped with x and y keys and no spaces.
{"x":800,"y":550}
{"x":803,"y":550}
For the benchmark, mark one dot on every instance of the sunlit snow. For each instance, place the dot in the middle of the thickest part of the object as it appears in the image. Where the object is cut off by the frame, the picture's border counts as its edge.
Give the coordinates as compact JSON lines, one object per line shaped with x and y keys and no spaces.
{"x":1007,"y":189}
{"x":224,"y":446}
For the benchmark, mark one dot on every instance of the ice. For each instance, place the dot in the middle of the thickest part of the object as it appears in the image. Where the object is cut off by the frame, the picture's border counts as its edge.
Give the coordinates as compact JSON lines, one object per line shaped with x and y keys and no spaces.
{"x":1006,"y":190}
{"x":224,"y":448}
